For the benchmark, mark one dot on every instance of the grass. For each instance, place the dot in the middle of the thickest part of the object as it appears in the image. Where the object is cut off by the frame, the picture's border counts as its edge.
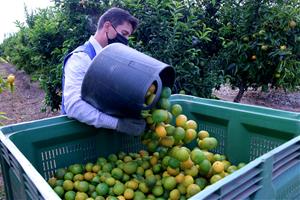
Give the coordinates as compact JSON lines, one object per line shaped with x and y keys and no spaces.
{"x":2,"y":60}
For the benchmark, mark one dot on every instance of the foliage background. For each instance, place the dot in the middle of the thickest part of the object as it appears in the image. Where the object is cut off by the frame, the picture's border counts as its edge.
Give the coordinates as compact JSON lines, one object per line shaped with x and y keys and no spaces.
{"x":210,"y":42}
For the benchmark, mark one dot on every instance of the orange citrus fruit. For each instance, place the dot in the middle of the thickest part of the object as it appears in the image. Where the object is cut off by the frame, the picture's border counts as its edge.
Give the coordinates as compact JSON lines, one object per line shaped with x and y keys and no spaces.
{"x":181,"y":120}
{"x":203,"y":134}
{"x":218,"y":166}
{"x":191,"y":124}
{"x":160,"y":131}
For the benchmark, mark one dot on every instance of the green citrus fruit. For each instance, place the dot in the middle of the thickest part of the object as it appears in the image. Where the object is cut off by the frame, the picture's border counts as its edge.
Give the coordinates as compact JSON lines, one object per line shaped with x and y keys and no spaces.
{"x":176,"y":109}
{"x":166,"y":92}
{"x":169,"y":183}
{"x":102,"y":189}
{"x":159,"y":115}
{"x":70,"y":195}
{"x":59,"y":191}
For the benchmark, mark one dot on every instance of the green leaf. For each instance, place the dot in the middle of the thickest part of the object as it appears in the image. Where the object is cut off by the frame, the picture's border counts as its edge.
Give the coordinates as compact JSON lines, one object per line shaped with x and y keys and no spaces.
{"x":2,"y":117}
{"x":213,"y":2}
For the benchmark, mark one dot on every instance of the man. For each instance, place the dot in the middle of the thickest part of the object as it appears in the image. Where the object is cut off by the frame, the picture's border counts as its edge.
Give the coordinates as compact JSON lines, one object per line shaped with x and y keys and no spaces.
{"x":115,"y":25}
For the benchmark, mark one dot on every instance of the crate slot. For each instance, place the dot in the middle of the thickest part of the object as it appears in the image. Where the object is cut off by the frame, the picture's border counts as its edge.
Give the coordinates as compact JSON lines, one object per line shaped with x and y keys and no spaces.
{"x":290,"y":189}
{"x":285,"y":161}
{"x":292,"y":192}
{"x":240,"y":181}
{"x":17,"y":190}
{"x":131,"y":144}
{"x":243,"y":188}
{"x":30,"y":195}
{"x":216,"y":125}
{"x":5,"y":154}
{"x":15,"y":167}
{"x":219,"y":133}
{"x":260,"y":145}
{"x":284,"y":168}
{"x":247,"y":193}
{"x":51,"y":155}
{"x":49,"y":168}
{"x":30,"y":188}
{"x":89,"y":151}
{"x":213,"y":197}
{"x":279,"y":156}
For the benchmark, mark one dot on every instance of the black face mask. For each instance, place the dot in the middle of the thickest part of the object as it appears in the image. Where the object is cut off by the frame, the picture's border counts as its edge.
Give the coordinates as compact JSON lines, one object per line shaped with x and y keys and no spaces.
{"x":119,"y":38}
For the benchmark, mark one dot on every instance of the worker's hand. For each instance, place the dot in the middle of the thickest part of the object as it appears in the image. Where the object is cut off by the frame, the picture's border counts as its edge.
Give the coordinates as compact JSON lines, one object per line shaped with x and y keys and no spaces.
{"x":131,"y":126}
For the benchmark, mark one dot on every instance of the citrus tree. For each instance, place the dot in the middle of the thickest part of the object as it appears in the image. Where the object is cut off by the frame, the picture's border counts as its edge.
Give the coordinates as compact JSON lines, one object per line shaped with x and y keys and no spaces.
{"x":250,"y":43}
{"x":261,"y":44}
{"x":178,"y":33}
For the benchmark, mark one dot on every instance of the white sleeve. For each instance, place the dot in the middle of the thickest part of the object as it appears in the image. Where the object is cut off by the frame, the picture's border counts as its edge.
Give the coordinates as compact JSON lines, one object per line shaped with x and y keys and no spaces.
{"x":75,"y":107}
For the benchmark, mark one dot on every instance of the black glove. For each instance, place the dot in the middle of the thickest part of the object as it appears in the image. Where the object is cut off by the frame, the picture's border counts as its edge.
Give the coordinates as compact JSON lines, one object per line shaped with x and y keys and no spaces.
{"x":131,"y":126}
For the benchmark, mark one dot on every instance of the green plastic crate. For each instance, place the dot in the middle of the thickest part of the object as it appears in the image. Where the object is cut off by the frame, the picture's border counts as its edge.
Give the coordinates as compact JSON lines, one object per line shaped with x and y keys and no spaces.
{"x":275,"y":175}
{"x":32,"y":151}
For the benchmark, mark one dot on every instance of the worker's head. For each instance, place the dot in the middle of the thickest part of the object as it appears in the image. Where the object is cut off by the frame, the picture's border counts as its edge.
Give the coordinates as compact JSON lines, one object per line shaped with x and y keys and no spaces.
{"x":115,"y":25}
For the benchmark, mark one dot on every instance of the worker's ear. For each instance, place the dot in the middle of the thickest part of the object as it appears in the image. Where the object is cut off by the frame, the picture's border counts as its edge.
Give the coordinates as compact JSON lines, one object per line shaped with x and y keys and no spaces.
{"x":106,"y":25}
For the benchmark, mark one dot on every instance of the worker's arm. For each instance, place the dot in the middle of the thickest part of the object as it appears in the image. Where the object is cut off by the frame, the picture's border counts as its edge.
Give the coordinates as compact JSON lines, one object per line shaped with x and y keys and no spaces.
{"x":79,"y":109}
{"x":75,"y":107}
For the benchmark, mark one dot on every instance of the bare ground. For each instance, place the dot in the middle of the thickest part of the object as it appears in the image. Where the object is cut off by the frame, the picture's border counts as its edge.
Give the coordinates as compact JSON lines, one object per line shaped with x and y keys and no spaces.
{"x":27,"y":100}
{"x":277,"y":99}
{"x":24,"y":104}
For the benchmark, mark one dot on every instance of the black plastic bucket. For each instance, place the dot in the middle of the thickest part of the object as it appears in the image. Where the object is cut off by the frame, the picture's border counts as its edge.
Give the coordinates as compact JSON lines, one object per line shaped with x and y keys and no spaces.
{"x":118,"y":79}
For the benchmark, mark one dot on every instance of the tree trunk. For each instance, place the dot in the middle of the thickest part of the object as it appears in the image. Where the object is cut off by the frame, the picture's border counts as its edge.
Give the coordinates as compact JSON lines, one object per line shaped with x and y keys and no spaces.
{"x":239,"y":96}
